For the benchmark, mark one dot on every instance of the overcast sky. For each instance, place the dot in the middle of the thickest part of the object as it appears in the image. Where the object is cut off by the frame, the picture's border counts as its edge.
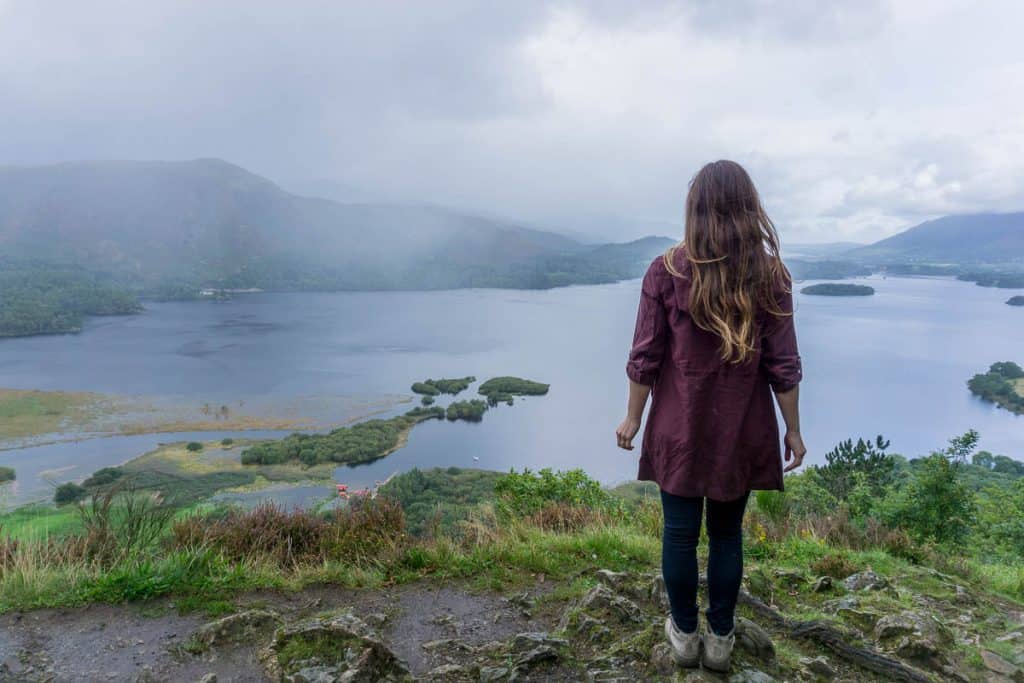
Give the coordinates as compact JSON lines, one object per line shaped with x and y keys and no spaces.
{"x":855,"y":121}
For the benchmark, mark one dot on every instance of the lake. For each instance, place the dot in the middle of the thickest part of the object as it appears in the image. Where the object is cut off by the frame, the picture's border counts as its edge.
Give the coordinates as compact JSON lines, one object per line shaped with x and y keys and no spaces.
{"x":895,"y":364}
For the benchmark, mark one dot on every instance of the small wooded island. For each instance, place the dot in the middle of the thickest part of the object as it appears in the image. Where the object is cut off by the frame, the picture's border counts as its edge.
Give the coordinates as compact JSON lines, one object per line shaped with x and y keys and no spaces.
{"x":1003,"y":385}
{"x":1015,"y":300}
{"x":838,"y":289}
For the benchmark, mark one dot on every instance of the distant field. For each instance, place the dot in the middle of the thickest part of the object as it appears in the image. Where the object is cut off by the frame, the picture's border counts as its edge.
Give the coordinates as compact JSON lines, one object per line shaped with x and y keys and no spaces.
{"x":29,"y":413}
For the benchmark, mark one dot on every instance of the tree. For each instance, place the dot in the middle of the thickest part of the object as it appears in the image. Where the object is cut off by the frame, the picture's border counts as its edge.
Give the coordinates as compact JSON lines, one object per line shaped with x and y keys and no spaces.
{"x":69,"y":493}
{"x":846,"y":459}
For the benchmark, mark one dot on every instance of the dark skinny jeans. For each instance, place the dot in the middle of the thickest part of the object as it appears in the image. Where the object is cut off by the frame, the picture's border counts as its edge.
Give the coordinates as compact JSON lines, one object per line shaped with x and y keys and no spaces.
{"x":725,"y":559}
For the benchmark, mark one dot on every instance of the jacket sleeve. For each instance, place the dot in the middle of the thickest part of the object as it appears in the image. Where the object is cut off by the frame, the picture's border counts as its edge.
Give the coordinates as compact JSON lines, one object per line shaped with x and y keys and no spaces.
{"x":651,"y":335}
{"x":780,"y":357}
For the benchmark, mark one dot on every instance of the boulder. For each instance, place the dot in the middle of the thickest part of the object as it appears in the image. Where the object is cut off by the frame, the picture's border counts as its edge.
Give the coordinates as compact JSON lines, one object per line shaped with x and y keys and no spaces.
{"x":235,"y":628}
{"x":661,"y":659}
{"x":918,"y":638}
{"x":997,"y":664}
{"x":340,"y":647}
{"x":863,"y":619}
{"x":754,"y":639}
{"x":601,"y":599}
{"x":865,"y":580}
{"x":818,"y":667}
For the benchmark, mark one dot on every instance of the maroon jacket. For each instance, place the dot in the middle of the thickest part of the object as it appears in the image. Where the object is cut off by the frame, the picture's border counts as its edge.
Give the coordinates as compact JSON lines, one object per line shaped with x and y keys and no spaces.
{"x":711,"y":430}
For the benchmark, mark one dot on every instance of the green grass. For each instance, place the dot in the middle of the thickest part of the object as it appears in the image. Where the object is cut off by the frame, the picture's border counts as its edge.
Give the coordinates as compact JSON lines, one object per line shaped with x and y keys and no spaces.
{"x":34,"y":522}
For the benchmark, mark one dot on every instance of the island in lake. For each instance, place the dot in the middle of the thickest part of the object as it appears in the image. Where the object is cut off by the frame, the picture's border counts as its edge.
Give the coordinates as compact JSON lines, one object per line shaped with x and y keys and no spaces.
{"x":1015,"y":300}
{"x":838,"y":289}
{"x":1003,"y":385}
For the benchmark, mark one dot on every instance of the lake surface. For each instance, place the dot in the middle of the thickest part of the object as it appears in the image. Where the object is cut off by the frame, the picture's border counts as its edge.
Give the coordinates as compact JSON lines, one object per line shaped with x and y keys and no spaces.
{"x":895,"y":364}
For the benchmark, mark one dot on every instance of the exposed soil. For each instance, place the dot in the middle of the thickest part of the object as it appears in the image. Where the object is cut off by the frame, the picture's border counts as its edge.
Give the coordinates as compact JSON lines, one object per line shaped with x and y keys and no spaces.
{"x":133,"y":643}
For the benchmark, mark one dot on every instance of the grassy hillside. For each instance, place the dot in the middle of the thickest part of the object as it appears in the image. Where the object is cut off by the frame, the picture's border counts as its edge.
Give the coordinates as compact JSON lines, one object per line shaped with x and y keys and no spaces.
{"x":870,"y":567}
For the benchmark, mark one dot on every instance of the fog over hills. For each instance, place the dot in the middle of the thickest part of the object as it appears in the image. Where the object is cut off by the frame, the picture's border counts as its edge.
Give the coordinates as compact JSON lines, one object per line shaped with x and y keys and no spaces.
{"x":209,"y":222}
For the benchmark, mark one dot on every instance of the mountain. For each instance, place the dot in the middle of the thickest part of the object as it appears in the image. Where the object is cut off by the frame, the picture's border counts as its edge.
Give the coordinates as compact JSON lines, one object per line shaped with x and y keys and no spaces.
{"x":968,"y":238}
{"x":209,"y":223}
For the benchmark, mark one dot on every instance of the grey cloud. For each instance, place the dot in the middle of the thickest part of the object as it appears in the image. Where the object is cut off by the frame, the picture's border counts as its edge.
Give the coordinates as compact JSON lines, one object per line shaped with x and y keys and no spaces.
{"x":589,"y":115}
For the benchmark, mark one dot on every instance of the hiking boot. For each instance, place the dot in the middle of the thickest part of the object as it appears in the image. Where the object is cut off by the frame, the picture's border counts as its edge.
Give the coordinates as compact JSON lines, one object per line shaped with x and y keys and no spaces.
{"x":718,"y":650}
{"x":685,"y":646}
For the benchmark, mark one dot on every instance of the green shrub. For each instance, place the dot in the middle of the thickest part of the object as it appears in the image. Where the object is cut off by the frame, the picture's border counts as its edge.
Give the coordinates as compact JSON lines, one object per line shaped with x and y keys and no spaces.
{"x":772,"y":504}
{"x":226,"y":441}
{"x":427,"y":400}
{"x":69,"y":493}
{"x":525,"y":493}
{"x":7,"y":474}
{"x":935,"y":505}
{"x":103,"y":477}
{"x":836,"y":566}
{"x":194,"y":446}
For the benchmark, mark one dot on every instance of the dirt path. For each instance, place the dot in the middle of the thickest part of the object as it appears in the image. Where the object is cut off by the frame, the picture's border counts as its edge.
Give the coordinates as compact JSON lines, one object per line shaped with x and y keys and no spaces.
{"x":133,"y":643}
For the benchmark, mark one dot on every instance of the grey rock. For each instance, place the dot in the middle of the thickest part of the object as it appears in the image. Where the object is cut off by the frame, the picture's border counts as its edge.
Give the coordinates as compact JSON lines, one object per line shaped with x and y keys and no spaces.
{"x":657,"y":593}
{"x":789,"y":578}
{"x":997,"y":664}
{"x":209,"y":678}
{"x":344,"y":643}
{"x":538,"y":655}
{"x":600,"y":598}
{"x":235,"y":628}
{"x":314,"y":674}
{"x":451,"y":672}
{"x":862,"y":619}
{"x":612,"y":579}
{"x":530,"y":640}
{"x":865,"y":580}
{"x":919,"y":638}
{"x":751,"y":676}
{"x":754,"y":639}
{"x":818,"y":666}
{"x":661,"y":659}
{"x":822,"y":584}
{"x":489,"y":674}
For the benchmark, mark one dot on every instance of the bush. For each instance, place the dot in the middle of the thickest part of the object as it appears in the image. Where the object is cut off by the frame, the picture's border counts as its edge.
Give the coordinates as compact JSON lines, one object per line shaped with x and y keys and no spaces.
{"x":836,"y":566}
{"x":427,"y":400}
{"x":355,"y":534}
{"x":226,"y":441}
{"x":103,"y":477}
{"x":69,"y":493}
{"x":935,"y":505}
{"x":524,"y":493}
{"x":194,"y":446}
{"x":7,"y":474}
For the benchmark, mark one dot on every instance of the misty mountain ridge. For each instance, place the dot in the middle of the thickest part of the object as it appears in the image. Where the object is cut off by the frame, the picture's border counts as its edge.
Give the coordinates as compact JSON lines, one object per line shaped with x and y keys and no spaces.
{"x":991,"y":238}
{"x":212,"y":223}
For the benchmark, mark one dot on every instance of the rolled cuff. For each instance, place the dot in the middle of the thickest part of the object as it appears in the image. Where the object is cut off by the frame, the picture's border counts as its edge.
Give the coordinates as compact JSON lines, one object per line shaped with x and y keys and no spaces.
{"x":780,"y":388}
{"x":640,"y":374}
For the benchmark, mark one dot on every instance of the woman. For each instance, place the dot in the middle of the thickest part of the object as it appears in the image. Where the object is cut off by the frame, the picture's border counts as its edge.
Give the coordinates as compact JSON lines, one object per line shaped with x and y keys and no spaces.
{"x":714,"y":339}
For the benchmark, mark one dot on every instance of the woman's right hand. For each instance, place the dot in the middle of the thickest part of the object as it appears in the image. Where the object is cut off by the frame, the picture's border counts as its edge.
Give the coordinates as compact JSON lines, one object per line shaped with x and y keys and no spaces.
{"x":795,"y":450}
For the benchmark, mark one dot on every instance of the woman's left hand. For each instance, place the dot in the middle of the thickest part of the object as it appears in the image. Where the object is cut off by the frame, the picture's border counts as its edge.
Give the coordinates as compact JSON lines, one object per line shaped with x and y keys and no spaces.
{"x":626,"y":431}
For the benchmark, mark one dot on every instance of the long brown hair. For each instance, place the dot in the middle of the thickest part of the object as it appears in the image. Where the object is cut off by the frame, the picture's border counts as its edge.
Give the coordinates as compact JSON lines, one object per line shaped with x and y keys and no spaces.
{"x":733,"y":250}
